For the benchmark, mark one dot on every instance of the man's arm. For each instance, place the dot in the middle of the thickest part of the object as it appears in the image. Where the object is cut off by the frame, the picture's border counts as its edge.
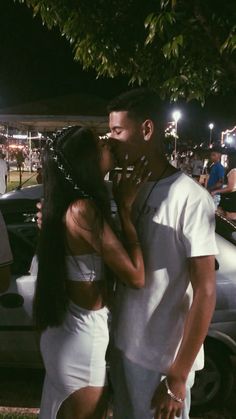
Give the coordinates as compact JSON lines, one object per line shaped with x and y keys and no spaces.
{"x":217,"y":185}
{"x":202,"y":274}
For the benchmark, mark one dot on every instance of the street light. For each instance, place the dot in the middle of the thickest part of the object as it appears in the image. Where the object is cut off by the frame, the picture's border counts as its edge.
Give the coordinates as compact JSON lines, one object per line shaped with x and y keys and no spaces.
{"x":176,"y":116}
{"x":211,"y":126}
{"x":229,"y":139}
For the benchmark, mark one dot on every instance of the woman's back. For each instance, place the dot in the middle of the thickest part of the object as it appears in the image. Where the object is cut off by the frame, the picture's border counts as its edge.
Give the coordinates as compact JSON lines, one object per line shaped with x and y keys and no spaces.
{"x":85,"y":280}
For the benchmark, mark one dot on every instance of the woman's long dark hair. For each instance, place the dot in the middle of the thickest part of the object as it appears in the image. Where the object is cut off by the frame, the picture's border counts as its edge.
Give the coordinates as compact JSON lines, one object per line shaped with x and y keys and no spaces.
{"x":79,"y":149}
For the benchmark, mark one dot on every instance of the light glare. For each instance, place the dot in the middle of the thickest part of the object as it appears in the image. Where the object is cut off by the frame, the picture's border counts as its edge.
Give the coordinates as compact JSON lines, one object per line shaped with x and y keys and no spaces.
{"x":176,"y":115}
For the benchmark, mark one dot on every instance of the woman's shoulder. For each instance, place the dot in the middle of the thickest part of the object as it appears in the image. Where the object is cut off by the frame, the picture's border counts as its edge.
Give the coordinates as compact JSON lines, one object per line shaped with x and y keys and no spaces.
{"x":82,"y":205}
{"x":83,"y":209}
{"x":232,"y":171}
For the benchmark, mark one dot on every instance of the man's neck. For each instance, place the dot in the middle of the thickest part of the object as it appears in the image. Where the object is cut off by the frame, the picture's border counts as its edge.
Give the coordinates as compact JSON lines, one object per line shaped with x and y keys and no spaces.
{"x":160,"y":167}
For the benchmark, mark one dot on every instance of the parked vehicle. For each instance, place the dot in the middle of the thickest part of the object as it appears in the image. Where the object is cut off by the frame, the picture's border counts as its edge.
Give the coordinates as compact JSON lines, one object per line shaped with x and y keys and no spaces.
{"x":214,"y":384}
{"x":19,"y":341}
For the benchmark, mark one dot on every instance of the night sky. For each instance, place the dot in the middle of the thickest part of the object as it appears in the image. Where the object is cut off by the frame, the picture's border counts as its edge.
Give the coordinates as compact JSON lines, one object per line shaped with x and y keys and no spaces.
{"x":37,"y":63}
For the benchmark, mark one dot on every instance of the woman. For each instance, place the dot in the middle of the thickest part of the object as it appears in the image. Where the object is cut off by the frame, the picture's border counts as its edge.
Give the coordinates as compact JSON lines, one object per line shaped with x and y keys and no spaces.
{"x":70,"y":301}
{"x":227,"y":205}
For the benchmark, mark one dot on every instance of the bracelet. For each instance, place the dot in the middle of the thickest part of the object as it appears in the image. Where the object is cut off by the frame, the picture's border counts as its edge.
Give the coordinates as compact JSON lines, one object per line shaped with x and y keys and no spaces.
{"x":172,"y":395}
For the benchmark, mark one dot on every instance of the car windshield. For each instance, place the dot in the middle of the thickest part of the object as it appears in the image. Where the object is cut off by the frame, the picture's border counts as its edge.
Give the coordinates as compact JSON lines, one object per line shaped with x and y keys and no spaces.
{"x":226,"y":228}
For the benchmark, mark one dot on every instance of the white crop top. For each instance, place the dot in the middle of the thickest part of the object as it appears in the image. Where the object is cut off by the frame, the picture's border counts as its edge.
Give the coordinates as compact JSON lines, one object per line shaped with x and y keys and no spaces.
{"x":88,"y":267}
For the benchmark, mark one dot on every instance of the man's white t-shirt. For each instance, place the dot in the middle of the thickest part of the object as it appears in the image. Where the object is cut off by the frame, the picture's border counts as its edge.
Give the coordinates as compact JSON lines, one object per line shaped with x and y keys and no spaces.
{"x":3,"y":174}
{"x":177,"y":223}
{"x":5,"y":250}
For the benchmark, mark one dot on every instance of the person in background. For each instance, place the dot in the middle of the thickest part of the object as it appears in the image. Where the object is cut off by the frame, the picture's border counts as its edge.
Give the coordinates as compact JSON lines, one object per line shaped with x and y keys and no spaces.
{"x":3,"y":174}
{"x":5,"y":257}
{"x":196,"y":167}
{"x":39,"y":176}
{"x":216,"y":176}
{"x":228,"y":193}
{"x":217,"y":171}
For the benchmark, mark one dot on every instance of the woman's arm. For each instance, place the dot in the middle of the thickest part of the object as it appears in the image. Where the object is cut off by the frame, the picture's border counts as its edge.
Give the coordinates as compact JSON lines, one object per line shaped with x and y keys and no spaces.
{"x":230,"y":186}
{"x":126,"y":262}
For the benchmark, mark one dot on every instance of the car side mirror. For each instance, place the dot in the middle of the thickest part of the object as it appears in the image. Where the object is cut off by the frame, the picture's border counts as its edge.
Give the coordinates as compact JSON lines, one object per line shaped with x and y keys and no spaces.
{"x":11,"y":300}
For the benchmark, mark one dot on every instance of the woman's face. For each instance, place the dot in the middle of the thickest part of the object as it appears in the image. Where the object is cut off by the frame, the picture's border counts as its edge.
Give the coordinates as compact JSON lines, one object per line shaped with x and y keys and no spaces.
{"x":107,"y":161}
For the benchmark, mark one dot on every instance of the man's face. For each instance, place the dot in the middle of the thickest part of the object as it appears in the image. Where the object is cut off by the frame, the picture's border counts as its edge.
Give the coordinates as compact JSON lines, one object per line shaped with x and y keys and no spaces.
{"x":214,"y":156}
{"x":126,"y":137}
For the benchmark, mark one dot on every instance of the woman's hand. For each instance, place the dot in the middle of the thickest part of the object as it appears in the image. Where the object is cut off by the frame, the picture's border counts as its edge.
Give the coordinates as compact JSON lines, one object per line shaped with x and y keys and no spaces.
{"x":39,"y":214}
{"x":126,"y":189}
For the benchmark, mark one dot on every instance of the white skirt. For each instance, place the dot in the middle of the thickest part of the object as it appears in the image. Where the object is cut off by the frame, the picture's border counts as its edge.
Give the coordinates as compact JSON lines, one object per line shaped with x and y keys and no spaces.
{"x":74,"y":356}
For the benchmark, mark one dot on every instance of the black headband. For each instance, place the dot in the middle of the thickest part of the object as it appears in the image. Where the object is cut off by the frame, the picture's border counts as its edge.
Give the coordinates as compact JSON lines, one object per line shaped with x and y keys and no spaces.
{"x":54,"y":147}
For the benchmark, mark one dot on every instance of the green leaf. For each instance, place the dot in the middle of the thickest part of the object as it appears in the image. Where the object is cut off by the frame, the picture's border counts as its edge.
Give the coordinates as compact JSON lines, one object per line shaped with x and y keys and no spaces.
{"x":166,"y":44}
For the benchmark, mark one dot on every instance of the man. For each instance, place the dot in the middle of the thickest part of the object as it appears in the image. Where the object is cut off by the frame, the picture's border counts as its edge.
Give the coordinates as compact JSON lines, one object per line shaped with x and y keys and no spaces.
{"x":3,"y":174}
{"x":217,"y":171}
{"x":216,"y":178}
{"x":196,"y":167}
{"x":5,"y":257}
{"x":159,"y":330}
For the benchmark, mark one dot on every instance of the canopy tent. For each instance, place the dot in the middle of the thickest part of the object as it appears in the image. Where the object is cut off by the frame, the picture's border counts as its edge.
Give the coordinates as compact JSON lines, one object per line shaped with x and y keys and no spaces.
{"x":56,"y":113}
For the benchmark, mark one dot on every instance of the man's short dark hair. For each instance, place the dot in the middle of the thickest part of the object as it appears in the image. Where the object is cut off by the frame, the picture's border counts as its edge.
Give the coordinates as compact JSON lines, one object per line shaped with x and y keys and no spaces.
{"x":141,"y":104}
{"x":216,"y":149}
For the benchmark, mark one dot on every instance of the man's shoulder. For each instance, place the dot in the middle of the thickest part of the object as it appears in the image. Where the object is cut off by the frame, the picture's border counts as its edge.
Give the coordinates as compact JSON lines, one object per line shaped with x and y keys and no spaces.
{"x":190,"y":183}
{"x":219,"y":165}
{"x":190,"y":190}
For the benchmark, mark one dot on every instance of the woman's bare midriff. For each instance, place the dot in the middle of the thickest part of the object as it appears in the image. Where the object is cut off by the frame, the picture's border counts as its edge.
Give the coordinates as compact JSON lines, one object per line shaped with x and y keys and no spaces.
{"x":88,"y":295}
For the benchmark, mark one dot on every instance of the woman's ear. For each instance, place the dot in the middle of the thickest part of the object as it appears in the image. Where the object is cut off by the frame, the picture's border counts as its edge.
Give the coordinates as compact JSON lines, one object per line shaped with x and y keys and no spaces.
{"x":148,"y":129}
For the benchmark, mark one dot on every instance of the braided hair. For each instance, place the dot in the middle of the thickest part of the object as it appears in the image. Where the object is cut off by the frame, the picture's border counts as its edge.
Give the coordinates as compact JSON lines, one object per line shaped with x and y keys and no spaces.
{"x":71,"y":171}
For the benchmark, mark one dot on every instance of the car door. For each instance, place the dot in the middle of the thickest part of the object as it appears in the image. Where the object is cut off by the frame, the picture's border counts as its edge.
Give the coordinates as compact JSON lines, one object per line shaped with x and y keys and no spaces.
{"x":18,"y":339}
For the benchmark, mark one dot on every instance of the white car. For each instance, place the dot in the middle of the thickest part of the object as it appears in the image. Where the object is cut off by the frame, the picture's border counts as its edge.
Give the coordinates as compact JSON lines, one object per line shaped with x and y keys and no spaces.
{"x":19,"y":341}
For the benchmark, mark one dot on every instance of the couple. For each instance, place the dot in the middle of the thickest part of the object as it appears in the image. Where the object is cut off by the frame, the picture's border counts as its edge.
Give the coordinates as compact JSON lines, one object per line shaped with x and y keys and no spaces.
{"x":164,"y":266}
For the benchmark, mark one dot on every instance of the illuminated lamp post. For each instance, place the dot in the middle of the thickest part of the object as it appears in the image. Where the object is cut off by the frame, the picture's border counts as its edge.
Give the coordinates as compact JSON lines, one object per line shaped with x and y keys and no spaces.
{"x":176,"y":116}
{"x":211,"y":126}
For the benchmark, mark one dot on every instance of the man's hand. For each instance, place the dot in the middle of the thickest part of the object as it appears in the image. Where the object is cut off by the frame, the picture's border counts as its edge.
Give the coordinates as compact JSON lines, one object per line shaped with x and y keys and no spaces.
{"x":39,"y":214}
{"x":213,"y":193}
{"x":165,"y":407}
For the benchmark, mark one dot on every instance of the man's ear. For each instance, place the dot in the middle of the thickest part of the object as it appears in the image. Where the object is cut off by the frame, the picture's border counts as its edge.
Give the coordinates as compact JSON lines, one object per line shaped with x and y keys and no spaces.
{"x":148,"y":129}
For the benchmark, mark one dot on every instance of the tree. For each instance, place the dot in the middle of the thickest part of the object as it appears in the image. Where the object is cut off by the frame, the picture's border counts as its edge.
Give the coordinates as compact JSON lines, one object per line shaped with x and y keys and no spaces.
{"x":181,"y":48}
